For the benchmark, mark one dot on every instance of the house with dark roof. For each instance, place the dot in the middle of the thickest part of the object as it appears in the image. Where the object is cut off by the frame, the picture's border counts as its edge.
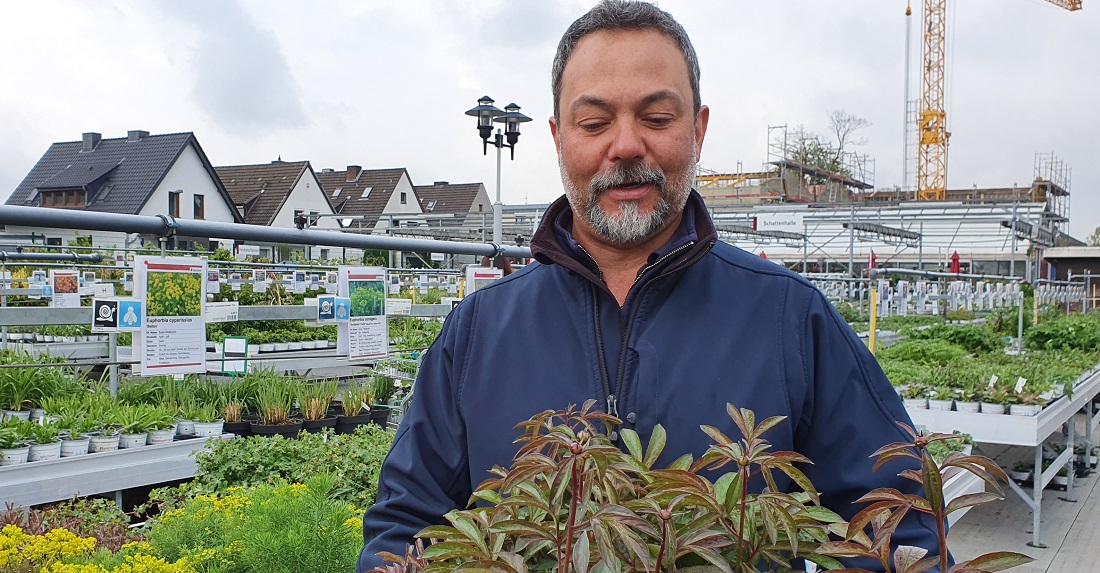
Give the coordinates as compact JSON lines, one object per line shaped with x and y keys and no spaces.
{"x":455,"y":204}
{"x":275,"y":194}
{"x":372,"y":199}
{"x":140,"y":174}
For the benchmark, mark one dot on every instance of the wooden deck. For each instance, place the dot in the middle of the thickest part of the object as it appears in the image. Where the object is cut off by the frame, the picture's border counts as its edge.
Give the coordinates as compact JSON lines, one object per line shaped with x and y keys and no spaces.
{"x":1070,"y":530}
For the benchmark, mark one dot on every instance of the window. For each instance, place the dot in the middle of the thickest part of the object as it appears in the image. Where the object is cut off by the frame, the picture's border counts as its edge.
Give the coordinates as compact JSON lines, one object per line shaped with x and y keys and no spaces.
{"x":336,"y":193}
{"x":30,"y":198}
{"x":53,"y":241}
{"x":404,"y":198}
{"x":366,"y":193}
{"x":200,"y":207}
{"x":431,"y":206}
{"x":174,"y":203}
{"x":67,"y":198}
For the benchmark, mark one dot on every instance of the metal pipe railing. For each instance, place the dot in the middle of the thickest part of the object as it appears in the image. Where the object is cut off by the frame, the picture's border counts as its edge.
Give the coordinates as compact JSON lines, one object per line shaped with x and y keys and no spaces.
{"x":165,"y":226}
{"x":941,"y":275}
{"x":5,"y":256}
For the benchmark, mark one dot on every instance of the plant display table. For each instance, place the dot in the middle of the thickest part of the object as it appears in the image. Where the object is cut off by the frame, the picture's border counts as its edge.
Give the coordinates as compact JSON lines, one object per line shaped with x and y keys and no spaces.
{"x":57,"y":480}
{"x":1030,"y":432}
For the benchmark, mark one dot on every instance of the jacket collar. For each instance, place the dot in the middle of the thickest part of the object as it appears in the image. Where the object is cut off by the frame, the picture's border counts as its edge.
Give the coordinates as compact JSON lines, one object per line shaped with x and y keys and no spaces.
{"x":553,"y":242}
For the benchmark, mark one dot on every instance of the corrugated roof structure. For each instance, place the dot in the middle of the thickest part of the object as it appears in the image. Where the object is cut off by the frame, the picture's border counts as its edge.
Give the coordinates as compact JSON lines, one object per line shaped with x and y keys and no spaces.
{"x":360,"y":192}
{"x":119,"y":175}
{"x":262,"y":189}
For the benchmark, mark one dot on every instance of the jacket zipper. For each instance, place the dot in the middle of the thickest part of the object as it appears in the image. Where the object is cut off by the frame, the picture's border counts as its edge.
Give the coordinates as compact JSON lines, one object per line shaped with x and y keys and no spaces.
{"x":613,"y":399}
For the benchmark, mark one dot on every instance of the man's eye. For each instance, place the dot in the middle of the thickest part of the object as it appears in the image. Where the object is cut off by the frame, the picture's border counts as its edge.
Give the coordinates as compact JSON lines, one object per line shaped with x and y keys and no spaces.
{"x":593,"y":125}
{"x":659,"y":120}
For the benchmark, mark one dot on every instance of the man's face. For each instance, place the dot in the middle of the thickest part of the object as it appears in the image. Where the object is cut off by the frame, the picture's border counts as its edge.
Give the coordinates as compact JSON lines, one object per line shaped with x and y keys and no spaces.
{"x":627,"y":134}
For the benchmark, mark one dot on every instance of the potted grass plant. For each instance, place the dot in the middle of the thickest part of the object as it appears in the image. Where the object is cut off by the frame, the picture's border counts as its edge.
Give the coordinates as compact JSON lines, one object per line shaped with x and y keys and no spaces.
{"x":382,"y":389}
{"x":19,"y":387}
{"x":313,"y":403}
{"x":208,"y":421}
{"x":46,"y":442}
{"x":356,"y":404}
{"x":133,"y":423}
{"x":275,"y":398}
{"x":234,"y":404}
{"x":75,"y":438}
{"x":15,"y":437}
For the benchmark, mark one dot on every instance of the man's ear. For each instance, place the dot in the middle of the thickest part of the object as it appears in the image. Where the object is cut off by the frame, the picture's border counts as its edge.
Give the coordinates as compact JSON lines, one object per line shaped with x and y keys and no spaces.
{"x":701,"y":129}
{"x":554,"y":131}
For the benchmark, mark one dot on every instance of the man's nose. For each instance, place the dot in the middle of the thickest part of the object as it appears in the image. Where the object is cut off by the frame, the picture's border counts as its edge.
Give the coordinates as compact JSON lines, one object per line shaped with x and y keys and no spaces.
{"x":628,"y":142}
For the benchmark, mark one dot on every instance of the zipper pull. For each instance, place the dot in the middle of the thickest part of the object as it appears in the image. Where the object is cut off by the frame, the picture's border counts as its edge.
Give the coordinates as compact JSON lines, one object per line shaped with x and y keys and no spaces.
{"x":613,"y":405}
{"x":613,"y":409}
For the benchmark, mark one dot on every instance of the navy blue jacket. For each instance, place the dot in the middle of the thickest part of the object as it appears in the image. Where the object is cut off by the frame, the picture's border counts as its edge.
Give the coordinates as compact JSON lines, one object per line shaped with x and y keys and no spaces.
{"x":705,"y":324}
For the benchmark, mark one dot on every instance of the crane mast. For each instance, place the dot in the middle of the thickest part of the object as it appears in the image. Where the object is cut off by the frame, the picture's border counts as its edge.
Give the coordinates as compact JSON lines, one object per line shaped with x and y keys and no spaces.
{"x":932,"y":134}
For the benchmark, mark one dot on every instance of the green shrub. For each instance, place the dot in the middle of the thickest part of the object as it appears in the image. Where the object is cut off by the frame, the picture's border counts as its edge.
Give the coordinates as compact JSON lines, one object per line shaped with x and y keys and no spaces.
{"x":1073,"y":332}
{"x":925,"y":352}
{"x":974,"y":338}
{"x":353,"y":460}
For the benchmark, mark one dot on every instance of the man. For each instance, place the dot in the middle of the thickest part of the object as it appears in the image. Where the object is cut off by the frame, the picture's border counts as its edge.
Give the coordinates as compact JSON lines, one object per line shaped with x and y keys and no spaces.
{"x":634,"y":302}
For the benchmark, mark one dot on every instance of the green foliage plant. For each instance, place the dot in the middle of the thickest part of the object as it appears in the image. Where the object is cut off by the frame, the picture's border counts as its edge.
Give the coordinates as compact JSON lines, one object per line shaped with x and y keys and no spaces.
{"x":276,"y":528}
{"x":275,"y":396}
{"x":20,"y":386}
{"x":382,"y":388}
{"x":357,"y":399}
{"x":45,"y":433}
{"x":353,"y":460}
{"x":15,"y":433}
{"x":573,"y":502}
{"x":314,"y":399}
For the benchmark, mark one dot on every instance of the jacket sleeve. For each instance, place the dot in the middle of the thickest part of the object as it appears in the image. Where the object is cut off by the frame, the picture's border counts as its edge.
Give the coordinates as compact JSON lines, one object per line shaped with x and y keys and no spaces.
{"x":850,"y":410}
{"x":425,"y":474}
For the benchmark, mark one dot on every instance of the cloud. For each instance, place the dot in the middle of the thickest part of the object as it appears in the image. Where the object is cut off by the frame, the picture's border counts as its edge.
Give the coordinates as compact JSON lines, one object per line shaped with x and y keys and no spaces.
{"x":240,"y":77}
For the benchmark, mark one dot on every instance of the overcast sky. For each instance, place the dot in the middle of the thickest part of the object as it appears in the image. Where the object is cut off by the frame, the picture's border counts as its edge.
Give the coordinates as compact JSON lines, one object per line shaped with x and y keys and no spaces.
{"x":386,"y":83}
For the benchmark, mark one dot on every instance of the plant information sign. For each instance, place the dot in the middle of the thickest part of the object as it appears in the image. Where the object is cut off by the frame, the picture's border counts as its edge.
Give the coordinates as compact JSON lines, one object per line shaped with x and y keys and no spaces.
{"x":116,"y":315}
{"x":66,"y":288}
{"x":173,"y":332}
{"x":477,"y":277}
{"x":365,"y":336}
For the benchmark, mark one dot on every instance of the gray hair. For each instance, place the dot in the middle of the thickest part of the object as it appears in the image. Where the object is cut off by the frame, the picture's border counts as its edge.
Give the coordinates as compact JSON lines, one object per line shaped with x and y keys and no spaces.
{"x":625,"y":15}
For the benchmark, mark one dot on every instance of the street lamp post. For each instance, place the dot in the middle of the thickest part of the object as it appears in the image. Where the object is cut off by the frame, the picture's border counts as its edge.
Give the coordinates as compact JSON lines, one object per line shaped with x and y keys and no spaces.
{"x":486,"y":114}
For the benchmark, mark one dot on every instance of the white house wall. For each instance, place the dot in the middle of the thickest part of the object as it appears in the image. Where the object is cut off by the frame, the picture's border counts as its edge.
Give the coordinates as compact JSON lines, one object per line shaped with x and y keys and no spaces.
{"x":189,"y":177}
{"x":395,"y":207}
{"x":306,"y":196}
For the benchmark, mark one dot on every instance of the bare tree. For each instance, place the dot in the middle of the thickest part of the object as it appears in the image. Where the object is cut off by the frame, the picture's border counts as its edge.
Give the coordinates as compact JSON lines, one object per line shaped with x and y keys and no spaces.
{"x":846,"y":128}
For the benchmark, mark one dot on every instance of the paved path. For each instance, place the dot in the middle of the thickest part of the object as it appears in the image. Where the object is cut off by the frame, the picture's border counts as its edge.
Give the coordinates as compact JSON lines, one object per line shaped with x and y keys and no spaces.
{"x":1071,"y":531}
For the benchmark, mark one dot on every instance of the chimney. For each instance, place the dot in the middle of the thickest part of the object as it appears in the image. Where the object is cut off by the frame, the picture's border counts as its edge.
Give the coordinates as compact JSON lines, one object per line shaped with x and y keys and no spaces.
{"x":91,"y":140}
{"x":441,"y":184}
{"x":136,"y":135}
{"x":353,"y":172}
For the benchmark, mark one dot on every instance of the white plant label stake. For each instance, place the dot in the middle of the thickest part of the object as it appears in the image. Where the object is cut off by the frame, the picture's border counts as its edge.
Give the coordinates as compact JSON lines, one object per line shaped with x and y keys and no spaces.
{"x":1020,"y":384}
{"x":992,"y":381}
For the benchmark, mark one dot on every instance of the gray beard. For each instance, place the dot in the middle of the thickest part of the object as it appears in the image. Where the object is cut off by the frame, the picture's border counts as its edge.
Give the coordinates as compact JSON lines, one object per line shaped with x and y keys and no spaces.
{"x":628,"y":226}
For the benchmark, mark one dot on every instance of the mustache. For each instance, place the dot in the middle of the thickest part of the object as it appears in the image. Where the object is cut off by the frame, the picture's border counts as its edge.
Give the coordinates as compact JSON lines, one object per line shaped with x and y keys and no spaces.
{"x":631,"y":173}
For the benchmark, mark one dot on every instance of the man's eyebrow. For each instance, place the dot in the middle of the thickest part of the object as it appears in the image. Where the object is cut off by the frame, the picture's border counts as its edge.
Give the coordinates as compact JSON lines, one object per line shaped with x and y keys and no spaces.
{"x":655,"y":97}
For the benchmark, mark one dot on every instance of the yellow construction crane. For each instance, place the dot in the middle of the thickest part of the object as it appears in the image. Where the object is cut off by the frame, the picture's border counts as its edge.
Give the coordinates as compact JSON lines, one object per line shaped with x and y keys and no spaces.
{"x":932,"y":132}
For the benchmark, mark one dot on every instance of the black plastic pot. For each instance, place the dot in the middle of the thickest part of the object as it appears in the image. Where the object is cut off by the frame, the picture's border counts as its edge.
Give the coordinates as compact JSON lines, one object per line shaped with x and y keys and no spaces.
{"x":347,"y":424}
{"x":289,"y":430}
{"x":379,"y":415}
{"x":318,"y":426}
{"x":242,"y":428}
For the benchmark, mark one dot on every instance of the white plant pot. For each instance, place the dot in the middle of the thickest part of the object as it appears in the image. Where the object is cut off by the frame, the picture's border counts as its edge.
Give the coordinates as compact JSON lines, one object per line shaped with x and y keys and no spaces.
{"x":916,"y":403}
{"x":308,"y":344}
{"x":70,"y":448}
{"x":282,"y":346}
{"x":127,"y":441}
{"x":13,"y":456}
{"x":969,"y":407}
{"x":44,"y":452}
{"x":267,"y":347}
{"x":185,"y":427}
{"x":294,"y":346}
{"x":988,"y":408}
{"x":37,"y":414}
{"x":1024,"y":409}
{"x":207,"y":429}
{"x":1019,"y":476}
{"x":944,"y":405}
{"x":320,"y":344}
{"x":47,"y":338}
{"x":98,"y":444}
{"x":165,"y":436}
{"x":22,"y":415}
{"x":1060,"y":480}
